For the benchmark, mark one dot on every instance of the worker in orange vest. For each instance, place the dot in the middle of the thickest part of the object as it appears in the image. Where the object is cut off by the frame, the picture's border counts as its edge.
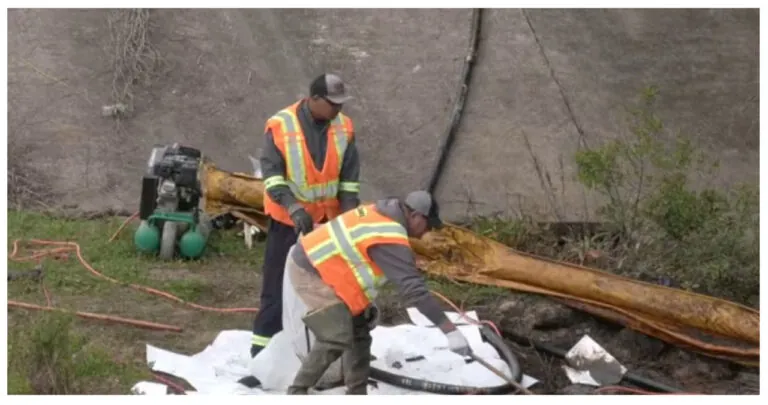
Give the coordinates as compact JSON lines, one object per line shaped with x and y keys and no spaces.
{"x":311,"y":175}
{"x":336,"y":269}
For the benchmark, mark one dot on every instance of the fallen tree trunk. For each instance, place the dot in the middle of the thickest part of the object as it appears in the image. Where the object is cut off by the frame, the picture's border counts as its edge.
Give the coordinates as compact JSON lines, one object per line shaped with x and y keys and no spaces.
{"x":676,"y":316}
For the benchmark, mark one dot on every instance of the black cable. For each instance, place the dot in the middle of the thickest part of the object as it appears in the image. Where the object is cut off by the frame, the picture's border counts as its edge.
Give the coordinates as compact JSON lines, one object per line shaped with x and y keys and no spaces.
{"x":629,"y":376}
{"x":493,"y":339}
{"x":458,"y":107}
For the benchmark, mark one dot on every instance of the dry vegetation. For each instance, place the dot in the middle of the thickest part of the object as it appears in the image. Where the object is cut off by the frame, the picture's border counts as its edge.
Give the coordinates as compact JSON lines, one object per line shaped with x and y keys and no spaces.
{"x":135,"y":60}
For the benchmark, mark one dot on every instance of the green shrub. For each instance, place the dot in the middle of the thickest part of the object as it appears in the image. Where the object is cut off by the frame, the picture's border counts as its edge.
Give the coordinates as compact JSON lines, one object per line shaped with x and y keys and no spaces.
{"x":657,"y":225}
{"x":703,"y":239}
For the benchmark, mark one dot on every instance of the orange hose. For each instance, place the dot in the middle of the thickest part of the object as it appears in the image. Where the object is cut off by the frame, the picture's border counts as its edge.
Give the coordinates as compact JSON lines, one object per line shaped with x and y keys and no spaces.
{"x":62,"y":249}
{"x":171,"y":384}
{"x":65,"y":247}
{"x":464,"y":315}
{"x":123,"y":225}
{"x":109,"y":318}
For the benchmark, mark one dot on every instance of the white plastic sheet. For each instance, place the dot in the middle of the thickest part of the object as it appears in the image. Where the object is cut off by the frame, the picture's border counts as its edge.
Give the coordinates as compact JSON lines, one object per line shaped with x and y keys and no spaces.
{"x":216,"y":369}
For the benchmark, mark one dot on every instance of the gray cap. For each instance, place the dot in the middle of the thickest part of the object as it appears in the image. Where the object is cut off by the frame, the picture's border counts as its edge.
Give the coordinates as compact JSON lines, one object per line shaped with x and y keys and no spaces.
{"x":422,"y":202}
{"x":330,"y":86}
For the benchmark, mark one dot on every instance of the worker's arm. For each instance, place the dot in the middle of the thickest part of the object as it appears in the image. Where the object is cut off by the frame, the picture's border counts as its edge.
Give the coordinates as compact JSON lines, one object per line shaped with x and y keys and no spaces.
{"x":398,"y":265}
{"x":349,"y":178}
{"x":273,"y":169}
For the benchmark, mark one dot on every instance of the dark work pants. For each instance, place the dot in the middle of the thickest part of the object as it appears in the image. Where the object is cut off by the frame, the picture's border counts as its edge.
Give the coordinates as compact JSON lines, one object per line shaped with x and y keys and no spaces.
{"x":269,"y":320}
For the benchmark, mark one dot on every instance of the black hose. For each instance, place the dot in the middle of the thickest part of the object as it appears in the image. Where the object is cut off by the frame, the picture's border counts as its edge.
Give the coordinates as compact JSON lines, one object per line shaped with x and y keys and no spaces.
{"x":458,"y":108}
{"x":493,"y":339}
{"x":629,"y":377}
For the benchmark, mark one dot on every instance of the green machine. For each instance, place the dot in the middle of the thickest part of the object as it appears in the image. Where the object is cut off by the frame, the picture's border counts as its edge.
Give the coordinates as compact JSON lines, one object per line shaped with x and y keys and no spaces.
{"x":171,"y":219}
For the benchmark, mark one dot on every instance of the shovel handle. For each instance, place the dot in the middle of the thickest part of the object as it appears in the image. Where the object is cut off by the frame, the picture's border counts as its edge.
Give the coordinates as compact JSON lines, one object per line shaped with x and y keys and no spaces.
{"x":501,"y":375}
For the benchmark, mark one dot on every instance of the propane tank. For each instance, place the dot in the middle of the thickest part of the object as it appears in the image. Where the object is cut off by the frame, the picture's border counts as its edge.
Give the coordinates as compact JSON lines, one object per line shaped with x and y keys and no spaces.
{"x":147,"y":238}
{"x":193,"y":241}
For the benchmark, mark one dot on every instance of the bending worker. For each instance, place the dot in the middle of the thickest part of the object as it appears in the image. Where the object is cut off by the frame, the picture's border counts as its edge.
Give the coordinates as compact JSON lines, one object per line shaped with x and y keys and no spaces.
{"x":335,"y":271}
{"x":311,"y":170}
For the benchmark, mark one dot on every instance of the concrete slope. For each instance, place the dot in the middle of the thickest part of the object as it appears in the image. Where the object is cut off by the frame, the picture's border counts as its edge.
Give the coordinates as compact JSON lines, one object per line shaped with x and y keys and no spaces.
{"x":531,"y":62}
{"x":225,"y":71}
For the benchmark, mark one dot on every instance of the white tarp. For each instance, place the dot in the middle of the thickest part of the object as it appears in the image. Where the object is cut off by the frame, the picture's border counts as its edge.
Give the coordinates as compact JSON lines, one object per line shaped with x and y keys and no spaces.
{"x":217,"y":369}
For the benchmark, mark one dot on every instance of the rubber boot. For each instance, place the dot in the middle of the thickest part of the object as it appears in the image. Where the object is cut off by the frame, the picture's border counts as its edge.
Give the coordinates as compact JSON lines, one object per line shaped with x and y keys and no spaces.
{"x":334,"y":334}
{"x":312,"y":368}
{"x":294,"y":390}
{"x":356,"y":361}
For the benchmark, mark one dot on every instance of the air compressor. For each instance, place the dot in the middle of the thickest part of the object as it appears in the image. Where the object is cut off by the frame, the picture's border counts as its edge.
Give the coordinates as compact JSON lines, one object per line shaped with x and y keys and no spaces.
{"x":171,"y":218}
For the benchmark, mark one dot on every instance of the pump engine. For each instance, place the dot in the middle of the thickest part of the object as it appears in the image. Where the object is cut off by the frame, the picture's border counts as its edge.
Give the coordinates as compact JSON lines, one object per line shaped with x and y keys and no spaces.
{"x":169,"y":206}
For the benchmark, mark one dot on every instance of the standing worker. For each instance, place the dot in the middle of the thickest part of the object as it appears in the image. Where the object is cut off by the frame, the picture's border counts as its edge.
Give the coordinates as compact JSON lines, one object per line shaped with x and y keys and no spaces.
{"x":335,"y":271}
{"x":311,"y":170}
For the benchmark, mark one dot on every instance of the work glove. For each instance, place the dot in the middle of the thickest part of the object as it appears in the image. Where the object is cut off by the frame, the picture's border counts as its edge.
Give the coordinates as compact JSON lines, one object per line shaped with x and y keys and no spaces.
{"x":457,"y":343}
{"x":301,"y":219}
{"x":372,"y":316}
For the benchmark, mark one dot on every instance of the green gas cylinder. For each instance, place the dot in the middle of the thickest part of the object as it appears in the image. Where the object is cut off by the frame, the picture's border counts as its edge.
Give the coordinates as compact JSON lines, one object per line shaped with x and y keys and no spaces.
{"x":147,"y":238}
{"x":193,"y":242}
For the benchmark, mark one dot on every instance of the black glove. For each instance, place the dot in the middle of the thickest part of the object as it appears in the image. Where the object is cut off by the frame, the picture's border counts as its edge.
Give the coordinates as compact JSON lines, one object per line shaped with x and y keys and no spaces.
{"x":301,"y":219}
{"x":372,"y":316}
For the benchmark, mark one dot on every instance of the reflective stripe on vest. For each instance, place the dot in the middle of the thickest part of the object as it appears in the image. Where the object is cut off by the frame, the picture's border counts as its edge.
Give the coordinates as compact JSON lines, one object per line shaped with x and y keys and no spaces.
{"x":342,"y":242}
{"x":294,"y":159}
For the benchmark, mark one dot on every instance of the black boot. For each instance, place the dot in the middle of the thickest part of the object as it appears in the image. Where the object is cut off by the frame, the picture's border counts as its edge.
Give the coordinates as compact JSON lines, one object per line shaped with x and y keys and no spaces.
{"x":294,"y":390}
{"x":250,"y":381}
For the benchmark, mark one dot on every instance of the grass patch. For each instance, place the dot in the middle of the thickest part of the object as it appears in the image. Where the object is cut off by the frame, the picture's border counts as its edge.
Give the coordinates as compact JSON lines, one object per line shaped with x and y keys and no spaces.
{"x":52,"y":353}
{"x":118,"y":259}
{"x":48,"y":357}
{"x":189,"y":289}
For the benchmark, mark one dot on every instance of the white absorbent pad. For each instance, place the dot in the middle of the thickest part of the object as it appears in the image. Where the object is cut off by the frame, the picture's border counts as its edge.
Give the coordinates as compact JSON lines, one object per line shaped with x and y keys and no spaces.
{"x":217,"y":369}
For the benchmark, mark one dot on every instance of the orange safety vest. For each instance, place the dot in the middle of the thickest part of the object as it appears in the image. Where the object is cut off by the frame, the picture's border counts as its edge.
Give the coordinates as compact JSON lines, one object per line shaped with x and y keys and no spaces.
{"x":339,"y":252}
{"x":316,"y":190}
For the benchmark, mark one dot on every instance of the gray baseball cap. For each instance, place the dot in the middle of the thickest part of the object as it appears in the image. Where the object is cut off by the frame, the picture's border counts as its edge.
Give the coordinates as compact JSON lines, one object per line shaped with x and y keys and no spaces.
{"x":423,"y":203}
{"x":330,"y":86}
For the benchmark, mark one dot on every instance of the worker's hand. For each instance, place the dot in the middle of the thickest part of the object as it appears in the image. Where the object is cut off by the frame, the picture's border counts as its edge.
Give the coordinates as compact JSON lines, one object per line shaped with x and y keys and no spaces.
{"x":301,"y":219}
{"x":372,"y":316}
{"x":457,"y":343}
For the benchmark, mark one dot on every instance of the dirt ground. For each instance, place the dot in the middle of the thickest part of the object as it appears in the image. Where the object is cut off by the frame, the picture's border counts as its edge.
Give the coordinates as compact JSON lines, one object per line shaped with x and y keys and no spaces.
{"x":544,"y":320}
{"x":228,"y":277}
